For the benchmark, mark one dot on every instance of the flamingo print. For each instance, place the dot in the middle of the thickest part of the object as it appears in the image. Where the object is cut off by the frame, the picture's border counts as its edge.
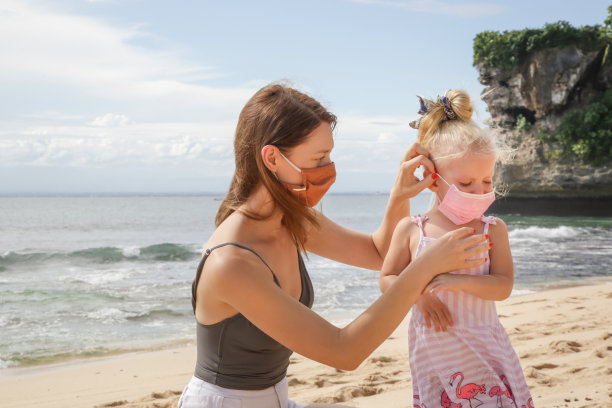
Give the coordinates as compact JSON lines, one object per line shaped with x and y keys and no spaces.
{"x":446,"y":402}
{"x":468,"y":391}
{"x":508,"y":392}
{"x":497,"y":391}
{"x":529,"y":404}
{"x":416,"y":397}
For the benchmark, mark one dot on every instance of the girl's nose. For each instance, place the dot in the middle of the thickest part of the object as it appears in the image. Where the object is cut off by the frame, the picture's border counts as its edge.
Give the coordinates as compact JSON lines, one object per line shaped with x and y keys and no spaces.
{"x":481,"y":189}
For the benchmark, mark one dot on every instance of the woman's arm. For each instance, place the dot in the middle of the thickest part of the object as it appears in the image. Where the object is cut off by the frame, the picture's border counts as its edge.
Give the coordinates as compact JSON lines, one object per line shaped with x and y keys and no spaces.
{"x":368,"y":251}
{"x":434,"y":312}
{"x":406,"y":186}
{"x":495,"y":286}
{"x":238,"y":282}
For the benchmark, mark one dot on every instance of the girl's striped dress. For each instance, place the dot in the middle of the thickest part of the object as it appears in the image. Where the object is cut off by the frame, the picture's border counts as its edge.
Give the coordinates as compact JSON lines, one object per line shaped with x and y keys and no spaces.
{"x":472,"y":364}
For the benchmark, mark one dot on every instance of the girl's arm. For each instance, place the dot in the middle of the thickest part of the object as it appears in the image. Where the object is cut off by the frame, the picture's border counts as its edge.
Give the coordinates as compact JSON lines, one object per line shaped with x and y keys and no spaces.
{"x":368,"y":251}
{"x":398,"y":254}
{"x":495,"y":286}
{"x":242,"y":283}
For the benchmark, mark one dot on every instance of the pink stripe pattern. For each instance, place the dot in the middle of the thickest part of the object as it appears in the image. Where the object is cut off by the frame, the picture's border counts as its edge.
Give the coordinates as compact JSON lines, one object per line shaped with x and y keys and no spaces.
{"x":473,"y":363}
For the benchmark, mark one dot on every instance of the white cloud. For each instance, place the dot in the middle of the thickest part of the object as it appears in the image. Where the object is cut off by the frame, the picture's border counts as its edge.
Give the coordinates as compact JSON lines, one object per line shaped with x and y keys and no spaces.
{"x":151,"y":143}
{"x":366,"y":148}
{"x":441,"y":7}
{"x":52,"y":116}
{"x":88,"y":57}
{"x":78,"y":72}
{"x":115,"y":139}
{"x":388,"y":137}
{"x":110,"y":119}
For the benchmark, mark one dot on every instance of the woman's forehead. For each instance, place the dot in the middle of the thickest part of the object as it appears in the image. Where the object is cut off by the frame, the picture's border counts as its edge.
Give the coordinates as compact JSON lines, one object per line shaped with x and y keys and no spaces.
{"x":320,"y":140}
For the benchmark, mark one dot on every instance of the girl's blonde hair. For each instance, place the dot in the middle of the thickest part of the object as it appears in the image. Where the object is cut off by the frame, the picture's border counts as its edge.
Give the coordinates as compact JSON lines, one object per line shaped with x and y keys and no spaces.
{"x":455,"y":137}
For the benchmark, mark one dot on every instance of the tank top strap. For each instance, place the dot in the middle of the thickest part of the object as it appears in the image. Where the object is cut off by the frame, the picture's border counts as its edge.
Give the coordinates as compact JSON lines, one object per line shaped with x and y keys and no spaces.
{"x":419,"y":220}
{"x":205,"y":255}
{"x":487,"y":221}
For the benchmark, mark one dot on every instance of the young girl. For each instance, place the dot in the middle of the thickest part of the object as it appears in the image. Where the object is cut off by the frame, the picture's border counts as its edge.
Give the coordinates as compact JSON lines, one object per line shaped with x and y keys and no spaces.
{"x":465,"y":359}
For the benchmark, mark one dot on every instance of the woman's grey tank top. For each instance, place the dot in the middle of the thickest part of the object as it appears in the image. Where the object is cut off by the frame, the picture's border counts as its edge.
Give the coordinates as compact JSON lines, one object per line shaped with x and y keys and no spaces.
{"x":233,"y":353}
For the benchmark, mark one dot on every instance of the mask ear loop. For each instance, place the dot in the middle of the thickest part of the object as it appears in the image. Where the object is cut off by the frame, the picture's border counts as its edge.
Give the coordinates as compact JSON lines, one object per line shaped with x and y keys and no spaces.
{"x":432,"y":200}
{"x":295,"y":167}
{"x":443,"y":180}
{"x":434,"y":196}
{"x":289,"y":161}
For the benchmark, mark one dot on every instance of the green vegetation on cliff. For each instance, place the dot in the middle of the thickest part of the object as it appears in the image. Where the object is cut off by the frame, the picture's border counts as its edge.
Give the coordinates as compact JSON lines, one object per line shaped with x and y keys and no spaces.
{"x":587,"y":132}
{"x":509,"y":48}
{"x":585,"y":129}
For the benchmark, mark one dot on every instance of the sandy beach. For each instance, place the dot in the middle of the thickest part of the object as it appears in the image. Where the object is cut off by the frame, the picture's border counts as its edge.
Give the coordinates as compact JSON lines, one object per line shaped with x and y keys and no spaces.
{"x":562,"y":336}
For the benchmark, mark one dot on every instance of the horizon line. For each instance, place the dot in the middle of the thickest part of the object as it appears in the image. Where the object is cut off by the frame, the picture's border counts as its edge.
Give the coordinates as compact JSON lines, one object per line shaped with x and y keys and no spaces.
{"x":153,"y":194}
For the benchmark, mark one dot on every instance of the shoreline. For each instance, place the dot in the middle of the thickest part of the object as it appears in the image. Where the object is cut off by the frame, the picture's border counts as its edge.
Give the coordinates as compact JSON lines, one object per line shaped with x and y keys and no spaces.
{"x":151,"y":345}
{"x":563,"y":337}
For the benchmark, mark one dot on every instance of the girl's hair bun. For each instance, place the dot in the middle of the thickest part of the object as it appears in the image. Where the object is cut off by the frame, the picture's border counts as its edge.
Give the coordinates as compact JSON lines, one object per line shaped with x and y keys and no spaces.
{"x":460,"y":103}
{"x":454,"y":105}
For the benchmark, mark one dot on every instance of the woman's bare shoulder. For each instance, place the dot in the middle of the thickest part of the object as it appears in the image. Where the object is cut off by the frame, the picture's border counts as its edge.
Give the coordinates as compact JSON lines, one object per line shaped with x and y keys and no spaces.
{"x":229,"y":263}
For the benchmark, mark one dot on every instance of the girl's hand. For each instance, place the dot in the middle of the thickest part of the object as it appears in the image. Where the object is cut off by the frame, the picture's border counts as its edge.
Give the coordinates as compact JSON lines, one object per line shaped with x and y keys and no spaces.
{"x":407,"y":185}
{"x":434,"y":311}
{"x":445,"y":281}
{"x":457,"y":249}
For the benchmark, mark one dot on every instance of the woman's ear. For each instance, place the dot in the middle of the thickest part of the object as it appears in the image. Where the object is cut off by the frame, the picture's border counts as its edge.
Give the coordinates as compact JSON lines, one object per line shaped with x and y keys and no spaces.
{"x":434,"y":186}
{"x":269,"y":157}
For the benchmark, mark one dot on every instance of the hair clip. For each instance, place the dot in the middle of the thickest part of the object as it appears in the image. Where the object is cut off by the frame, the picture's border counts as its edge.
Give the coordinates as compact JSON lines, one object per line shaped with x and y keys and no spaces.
{"x":425,"y":107}
{"x":448,"y":110}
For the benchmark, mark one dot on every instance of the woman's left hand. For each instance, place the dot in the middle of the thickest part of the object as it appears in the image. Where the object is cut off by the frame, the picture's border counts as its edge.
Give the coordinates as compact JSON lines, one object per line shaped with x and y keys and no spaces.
{"x":445,"y":281}
{"x":407,"y":185}
{"x":434,"y":312}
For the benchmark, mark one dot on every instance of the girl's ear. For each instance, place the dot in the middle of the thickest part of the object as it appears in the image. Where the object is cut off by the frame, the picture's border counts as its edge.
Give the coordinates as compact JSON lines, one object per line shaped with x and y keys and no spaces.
{"x":269,"y":156}
{"x":434,"y":186}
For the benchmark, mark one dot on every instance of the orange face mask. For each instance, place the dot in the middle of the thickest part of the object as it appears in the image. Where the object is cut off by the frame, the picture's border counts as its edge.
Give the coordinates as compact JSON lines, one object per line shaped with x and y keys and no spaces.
{"x":316,"y":182}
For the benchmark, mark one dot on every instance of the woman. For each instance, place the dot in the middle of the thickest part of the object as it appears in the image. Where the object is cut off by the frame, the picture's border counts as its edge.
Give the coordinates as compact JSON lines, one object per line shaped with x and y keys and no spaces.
{"x":252,"y":294}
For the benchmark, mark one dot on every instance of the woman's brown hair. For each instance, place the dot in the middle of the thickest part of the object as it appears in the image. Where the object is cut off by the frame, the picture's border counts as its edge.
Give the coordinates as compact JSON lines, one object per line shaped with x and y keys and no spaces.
{"x":281,"y":116}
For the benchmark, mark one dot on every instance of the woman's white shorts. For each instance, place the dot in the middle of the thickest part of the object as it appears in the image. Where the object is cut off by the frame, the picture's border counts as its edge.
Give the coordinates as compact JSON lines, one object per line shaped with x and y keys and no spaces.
{"x":200,"y":394}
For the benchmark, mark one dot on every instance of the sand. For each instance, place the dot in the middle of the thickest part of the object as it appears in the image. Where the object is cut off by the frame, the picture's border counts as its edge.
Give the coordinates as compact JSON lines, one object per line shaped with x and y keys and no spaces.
{"x":562,"y":336}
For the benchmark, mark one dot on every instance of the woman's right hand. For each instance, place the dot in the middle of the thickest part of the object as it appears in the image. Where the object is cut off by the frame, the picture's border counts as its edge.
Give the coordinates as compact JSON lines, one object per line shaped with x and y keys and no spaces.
{"x":458,"y":249}
{"x":407,"y":185}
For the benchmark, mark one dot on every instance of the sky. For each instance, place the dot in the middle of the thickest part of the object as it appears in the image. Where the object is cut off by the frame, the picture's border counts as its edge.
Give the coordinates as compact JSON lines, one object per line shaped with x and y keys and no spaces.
{"x":143,"y":96}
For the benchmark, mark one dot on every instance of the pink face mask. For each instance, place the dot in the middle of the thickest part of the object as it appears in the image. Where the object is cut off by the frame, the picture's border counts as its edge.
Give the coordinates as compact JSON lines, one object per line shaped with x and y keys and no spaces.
{"x":461,"y":207}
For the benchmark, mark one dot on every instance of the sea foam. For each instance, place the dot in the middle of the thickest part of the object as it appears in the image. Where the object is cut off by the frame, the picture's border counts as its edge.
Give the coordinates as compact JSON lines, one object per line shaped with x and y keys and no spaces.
{"x":535,"y":232}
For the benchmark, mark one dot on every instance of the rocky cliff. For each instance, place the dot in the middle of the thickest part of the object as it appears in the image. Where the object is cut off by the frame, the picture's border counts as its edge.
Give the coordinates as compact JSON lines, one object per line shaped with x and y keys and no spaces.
{"x":527,"y":102}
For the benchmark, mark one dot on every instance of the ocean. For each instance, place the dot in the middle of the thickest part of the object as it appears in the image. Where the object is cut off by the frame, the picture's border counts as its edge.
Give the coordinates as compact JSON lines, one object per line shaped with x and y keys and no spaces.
{"x":89,"y":276}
